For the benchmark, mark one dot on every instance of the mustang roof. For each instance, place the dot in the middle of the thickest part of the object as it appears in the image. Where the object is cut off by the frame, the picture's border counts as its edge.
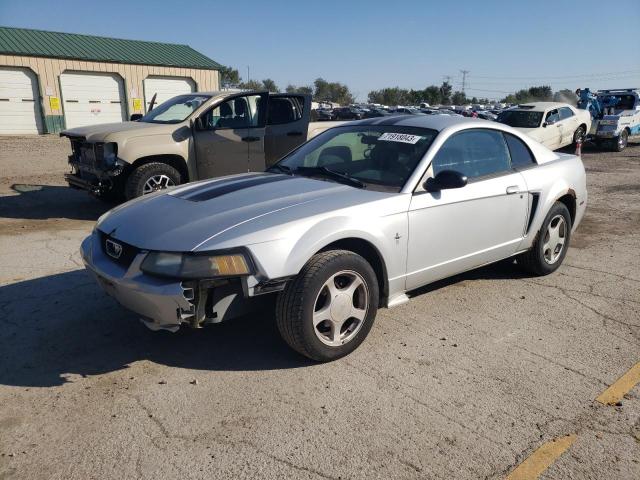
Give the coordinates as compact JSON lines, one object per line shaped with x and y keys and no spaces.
{"x":435,"y":122}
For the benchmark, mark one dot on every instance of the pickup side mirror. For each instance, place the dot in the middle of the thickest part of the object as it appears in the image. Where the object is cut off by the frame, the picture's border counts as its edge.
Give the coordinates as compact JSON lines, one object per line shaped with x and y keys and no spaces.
{"x":135,"y":117}
{"x":445,"y":180}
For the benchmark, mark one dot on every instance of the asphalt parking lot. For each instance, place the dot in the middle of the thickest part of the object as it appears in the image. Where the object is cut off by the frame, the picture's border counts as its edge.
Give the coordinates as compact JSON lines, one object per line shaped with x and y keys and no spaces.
{"x":467,"y":380}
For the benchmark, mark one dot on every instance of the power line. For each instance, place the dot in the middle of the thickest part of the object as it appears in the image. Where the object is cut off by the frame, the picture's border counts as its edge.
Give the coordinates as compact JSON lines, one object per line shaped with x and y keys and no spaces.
{"x":484,"y":90}
{"x":583,"y":75}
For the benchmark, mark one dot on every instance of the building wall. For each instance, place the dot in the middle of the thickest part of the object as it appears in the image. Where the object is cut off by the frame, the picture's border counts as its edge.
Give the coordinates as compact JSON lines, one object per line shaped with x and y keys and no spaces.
{"x":48,"y":72}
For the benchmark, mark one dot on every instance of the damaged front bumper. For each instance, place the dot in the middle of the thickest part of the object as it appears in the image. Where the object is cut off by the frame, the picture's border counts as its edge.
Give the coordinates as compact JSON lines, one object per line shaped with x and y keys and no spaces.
{"x":163,"y":304}
{"x":92,"y":179}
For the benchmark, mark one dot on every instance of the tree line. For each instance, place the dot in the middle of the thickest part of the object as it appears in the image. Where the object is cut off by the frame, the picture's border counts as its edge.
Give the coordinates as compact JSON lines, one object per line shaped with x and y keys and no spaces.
{"x":321,"y":90}
{"x":336,"y":92}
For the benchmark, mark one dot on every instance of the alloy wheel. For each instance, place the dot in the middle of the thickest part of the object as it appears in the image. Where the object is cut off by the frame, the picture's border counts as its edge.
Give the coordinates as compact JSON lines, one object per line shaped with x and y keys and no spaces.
{"x":622,"y":139}
{"x":554,"y":239}
{"x":340,"y":308}
{"x":157,"y":182}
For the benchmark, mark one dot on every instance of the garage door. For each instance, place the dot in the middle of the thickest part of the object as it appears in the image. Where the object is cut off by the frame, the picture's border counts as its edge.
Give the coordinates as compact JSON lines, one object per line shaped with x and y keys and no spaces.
{"x":19,"y":102}
{"x":166,"y":87}
{"x":92,"y":98}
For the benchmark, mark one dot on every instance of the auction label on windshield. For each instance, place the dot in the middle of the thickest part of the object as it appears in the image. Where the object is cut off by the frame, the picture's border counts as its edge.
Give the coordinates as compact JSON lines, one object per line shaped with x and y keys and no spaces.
{"x":399,"y":137}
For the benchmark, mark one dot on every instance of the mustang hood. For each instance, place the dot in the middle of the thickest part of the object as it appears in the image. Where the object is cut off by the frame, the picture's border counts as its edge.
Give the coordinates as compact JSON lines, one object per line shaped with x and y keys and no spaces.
{"x":183,"y":218}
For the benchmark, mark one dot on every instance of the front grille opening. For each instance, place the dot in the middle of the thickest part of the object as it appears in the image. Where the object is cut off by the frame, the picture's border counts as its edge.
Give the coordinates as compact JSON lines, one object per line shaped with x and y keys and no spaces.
{"x":127,"y":254}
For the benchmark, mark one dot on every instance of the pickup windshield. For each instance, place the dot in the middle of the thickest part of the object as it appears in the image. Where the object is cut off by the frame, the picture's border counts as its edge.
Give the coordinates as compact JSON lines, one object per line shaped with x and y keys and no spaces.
{"x":175,"y":110}
{"x":376,"y":157}
{"x":521,"y":118}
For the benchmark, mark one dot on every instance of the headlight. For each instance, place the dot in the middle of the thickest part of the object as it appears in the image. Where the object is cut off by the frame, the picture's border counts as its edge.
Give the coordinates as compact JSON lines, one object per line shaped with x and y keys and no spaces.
{"x":195,"y":266}
{"x":109,"y":153}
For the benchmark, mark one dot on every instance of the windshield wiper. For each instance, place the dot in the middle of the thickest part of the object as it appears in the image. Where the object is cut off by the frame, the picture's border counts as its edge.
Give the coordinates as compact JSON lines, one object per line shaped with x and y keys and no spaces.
{"x":327,"y":172}
{"x":282,"y":168}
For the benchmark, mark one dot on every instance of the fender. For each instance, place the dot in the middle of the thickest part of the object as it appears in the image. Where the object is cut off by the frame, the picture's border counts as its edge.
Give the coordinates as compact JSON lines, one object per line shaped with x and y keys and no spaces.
{"x":388,"y":237}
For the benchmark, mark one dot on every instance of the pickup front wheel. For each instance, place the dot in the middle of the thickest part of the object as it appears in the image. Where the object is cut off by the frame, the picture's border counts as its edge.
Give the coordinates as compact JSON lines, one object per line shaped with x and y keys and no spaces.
{"x":329,"y":308}
{"x":149,"y":178}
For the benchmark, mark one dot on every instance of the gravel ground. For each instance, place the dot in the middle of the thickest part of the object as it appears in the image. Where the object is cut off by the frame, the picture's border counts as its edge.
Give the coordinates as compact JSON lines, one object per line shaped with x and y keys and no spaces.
{"x":465,"y":381}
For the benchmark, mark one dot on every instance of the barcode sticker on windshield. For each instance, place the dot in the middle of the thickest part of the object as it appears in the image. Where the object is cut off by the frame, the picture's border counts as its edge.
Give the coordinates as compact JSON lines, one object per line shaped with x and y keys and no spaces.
{"x":399,"y":137}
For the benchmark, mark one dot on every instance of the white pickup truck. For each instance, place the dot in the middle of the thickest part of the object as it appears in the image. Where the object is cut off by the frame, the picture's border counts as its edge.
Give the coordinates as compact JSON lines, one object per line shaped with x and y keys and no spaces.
{"x":189,"y":137}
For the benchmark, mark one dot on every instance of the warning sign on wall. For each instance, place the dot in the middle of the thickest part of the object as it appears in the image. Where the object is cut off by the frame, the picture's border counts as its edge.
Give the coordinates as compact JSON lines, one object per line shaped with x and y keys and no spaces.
{"x":54,"y":103}
{"x":137,"y":104}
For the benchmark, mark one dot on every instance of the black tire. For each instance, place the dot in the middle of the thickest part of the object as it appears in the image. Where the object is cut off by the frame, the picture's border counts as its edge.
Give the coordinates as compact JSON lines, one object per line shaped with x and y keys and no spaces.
{"x":579,"y":134}
{"x":296,"y":304}
{"x":620,"y":142}
{"x":533,"y":261}
{"x":140,"y":176}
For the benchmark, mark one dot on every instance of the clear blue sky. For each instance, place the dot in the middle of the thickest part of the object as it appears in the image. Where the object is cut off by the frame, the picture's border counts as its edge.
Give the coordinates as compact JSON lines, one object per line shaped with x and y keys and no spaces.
{"x":506,"y":45}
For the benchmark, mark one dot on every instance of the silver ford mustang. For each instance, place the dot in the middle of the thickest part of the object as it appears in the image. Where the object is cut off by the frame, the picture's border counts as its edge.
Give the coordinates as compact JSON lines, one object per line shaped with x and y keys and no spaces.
{"x":348,"y":222}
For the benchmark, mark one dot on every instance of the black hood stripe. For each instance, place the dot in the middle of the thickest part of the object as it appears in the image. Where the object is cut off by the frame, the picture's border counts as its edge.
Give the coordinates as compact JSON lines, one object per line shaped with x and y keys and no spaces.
{"x":202,"y":186}
{"x":217,"y":190}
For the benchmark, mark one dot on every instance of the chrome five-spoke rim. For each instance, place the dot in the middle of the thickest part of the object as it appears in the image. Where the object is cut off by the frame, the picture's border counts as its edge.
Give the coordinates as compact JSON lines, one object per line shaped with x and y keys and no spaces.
{"x":554,"y":239}
{"x":340,"y":308}
{"x":157,"y":182}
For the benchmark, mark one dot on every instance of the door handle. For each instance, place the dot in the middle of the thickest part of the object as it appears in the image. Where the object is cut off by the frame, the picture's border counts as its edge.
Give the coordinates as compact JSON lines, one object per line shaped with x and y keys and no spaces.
{"x":294,"y":134}
{"x":250,"y":139}
{"x":513,"y":189}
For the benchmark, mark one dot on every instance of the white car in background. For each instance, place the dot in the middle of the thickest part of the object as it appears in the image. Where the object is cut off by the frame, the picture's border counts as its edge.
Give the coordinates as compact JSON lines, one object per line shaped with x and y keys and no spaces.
{"x":553,"y":124}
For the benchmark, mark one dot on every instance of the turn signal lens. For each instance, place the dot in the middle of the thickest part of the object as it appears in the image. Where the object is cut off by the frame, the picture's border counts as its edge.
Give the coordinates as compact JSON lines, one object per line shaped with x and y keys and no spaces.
{"x":229,"y":265}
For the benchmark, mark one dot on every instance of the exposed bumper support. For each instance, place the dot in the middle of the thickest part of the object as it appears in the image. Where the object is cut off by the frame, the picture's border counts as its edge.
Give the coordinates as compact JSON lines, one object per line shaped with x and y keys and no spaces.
{"x":163,"y":304}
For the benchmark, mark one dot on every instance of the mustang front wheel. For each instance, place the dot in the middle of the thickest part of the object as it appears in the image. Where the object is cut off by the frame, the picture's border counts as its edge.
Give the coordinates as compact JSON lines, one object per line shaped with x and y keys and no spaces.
{"x":329,"y":308}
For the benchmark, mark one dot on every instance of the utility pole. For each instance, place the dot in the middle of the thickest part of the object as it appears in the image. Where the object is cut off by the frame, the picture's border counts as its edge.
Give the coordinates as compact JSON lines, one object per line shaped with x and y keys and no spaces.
{"x":464,"y":79}
{"x":248,"y":76}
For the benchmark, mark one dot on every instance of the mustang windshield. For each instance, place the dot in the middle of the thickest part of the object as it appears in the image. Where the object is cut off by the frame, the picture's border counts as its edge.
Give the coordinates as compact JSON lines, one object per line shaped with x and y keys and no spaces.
{"x":379,"y":157}
{"x":520,"y":118}
{"x":175,"y":110}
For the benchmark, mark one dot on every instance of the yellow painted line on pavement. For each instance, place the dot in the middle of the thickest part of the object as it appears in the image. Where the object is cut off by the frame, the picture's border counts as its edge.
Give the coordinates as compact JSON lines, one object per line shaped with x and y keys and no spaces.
{"x":541,"y":459}
{"x":622,"y":386}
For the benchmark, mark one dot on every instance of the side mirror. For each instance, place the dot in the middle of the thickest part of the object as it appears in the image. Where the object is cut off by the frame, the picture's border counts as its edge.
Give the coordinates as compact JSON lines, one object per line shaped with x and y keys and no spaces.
{"x":135,"y":117}
{"x":445,"y":180}
{"x":548,"y":122}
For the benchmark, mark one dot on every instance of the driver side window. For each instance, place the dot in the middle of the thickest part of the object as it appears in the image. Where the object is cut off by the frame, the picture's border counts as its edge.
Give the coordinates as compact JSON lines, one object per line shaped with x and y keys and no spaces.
{"x":474,"y":153}
{"x":238,"y":112}
{"x":552,"y":116}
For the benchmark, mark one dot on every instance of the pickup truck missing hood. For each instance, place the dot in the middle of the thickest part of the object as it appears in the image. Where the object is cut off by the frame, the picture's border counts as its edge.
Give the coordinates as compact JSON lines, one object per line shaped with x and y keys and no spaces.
{"x":188,"y":137}
{"x":350,"y":221}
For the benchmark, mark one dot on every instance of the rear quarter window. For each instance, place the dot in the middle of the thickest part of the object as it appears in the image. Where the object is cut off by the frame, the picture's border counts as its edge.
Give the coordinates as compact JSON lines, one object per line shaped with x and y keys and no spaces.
{"x":521,"y":156}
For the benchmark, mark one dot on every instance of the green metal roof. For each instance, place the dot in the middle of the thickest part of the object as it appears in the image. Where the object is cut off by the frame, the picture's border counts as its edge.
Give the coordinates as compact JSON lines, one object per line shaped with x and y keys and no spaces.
{"x":40,"y":43}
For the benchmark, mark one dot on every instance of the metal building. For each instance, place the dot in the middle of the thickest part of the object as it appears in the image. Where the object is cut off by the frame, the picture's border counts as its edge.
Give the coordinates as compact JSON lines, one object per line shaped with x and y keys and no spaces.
{"x":50,"y":80}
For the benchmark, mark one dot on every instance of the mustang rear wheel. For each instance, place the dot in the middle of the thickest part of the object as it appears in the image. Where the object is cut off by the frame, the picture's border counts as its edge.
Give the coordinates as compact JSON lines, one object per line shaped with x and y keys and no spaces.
{"x":329,"y":308}
{"x":550,"y":247}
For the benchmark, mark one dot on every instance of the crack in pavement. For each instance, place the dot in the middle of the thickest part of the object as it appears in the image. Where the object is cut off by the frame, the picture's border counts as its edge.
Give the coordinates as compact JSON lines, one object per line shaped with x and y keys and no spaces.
{"x":211,"y":435}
